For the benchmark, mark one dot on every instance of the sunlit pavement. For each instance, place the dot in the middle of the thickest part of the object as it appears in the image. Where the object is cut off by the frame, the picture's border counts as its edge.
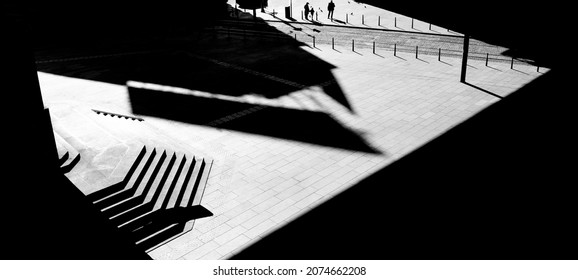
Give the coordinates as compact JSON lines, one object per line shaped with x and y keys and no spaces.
{"x":259,"y":183}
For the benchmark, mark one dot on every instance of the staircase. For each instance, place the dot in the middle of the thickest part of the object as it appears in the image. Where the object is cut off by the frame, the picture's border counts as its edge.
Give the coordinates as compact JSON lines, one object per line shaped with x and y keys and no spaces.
{"x":147,"y":184}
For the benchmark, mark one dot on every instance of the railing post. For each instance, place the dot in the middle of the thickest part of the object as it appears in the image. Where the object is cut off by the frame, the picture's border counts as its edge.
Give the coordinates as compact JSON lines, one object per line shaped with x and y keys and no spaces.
{"x":346,"y":18}
{"x":353,"y":45}
{"x":332,"y":43}
{"x":378,"y":20}
{"x":362,"y":19}
{"x":394,"y":49}
{"x":465,"y":58}
{"x":314,"y":41}
{"x":412,"y":23}
{"x":487,"y":58}
{"x":512,"y":64}
{"x":395,"y":21}
{"x":415,"y":51}
{"x":538,"y":69}
{"x":373,"y":47}
{"x":440,"y":54}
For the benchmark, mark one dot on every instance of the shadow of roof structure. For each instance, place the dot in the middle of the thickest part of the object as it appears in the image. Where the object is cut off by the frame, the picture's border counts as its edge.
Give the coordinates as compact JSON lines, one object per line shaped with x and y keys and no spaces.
{"x":219,"y":60}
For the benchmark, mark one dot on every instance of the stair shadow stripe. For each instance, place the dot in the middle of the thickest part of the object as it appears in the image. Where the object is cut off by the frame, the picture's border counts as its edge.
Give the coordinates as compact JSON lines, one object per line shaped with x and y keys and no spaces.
{"x":136,"y":200}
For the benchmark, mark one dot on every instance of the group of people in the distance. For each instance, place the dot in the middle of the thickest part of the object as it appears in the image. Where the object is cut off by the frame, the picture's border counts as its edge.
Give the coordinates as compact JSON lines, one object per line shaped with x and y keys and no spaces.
{"x":308,"y":9}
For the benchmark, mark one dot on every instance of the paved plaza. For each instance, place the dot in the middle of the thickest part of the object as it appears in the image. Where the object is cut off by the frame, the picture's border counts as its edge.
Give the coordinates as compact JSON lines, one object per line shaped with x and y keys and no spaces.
{"x":259,"y":181}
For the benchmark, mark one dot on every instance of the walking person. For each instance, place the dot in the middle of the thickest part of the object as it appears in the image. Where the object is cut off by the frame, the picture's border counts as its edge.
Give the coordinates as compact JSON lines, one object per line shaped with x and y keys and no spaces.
{"x":330,"y":8}
{"x":306,"y":8}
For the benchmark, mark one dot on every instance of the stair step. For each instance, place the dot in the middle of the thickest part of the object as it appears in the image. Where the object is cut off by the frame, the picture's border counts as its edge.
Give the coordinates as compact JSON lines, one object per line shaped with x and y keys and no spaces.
{"x":120,"y":116}
{"x":132,"y":185}
{"x":103,"y":193}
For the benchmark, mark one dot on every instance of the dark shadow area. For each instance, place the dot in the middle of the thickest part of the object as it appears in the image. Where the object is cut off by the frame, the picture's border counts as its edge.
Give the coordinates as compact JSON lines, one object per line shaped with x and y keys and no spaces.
{"x":493,"y":187}
{"x":305,"y":126}
{"x":484,"y":90}
{"x":339,"y":21}
{"x":43,"y":215}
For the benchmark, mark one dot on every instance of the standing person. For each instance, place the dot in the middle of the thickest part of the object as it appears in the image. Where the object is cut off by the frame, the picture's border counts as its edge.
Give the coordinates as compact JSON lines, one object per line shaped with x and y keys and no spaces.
{"x":312,"y":11}
{"x":306,"y":8}
{"x":330,"y":8}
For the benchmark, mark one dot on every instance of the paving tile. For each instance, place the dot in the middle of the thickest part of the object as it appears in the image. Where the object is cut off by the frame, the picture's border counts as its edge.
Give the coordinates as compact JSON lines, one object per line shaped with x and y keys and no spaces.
{"x":230,"y":246}
{"x":201,"y":251}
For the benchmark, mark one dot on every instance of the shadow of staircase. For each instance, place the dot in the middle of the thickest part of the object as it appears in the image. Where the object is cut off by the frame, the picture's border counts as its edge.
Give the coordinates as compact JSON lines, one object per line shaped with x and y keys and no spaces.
{"x":158,"y":199}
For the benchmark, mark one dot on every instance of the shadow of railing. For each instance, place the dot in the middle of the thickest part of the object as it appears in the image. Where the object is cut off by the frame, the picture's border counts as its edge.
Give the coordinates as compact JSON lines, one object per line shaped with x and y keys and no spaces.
{"x":161,"y":209}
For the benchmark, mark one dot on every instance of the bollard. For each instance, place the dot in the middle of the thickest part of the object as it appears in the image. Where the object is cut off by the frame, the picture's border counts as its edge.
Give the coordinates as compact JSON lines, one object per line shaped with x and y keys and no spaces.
{"x":373,"y":47}
{"x":538,"y":69}
{"x":415,"y":51}
{"x":395,"y":21}
{"x":333,"y":43}
{"x":346,"y":18}
{"x":412,"y":23}
{"x":430,"y":26}
{"x":353,"y":45}
{"x":314,"y":41}
{"x":440,"y":54}
{"x":394,"y":49}
{"x":316,"y":16}
{"x":512,"y":64}
{"x":378,"y":20}
{"x":362,"y":19}
{"x":302,"y":15}
{"x":487,"y":56}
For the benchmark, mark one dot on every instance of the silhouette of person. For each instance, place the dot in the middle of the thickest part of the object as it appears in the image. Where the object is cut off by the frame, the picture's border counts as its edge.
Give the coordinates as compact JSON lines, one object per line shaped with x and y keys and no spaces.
{"x":312,"y":13}
{"x":330,"y":8}
{"x":306,"y":10}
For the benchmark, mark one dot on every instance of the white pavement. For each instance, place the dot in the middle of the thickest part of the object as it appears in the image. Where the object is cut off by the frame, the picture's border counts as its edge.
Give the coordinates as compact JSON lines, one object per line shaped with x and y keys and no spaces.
{"x":260,"y":183}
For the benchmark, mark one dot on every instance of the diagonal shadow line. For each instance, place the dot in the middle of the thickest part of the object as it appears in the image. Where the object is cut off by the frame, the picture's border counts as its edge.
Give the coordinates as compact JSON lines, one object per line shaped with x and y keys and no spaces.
{"x":445,"y":62}
{"x":484,"y":90}
{"x":494,"y":68}
{"x":422,"y":60}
